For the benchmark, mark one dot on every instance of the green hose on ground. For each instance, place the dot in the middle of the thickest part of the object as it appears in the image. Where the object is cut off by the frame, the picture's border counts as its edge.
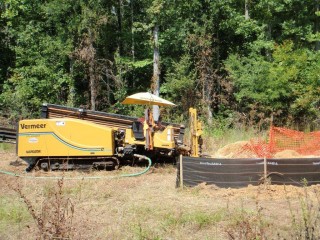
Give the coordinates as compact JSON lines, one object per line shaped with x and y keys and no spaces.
{"x":80,"y":178}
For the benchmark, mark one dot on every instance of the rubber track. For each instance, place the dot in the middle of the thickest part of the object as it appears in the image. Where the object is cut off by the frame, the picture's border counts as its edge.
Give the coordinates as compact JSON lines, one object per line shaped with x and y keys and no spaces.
{"x":12,"y":174}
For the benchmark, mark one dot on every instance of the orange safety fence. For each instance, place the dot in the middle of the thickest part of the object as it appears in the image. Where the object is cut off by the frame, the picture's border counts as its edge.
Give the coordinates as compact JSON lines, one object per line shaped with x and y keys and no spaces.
{"x":305,"y":144}
{"x":283,"y":143}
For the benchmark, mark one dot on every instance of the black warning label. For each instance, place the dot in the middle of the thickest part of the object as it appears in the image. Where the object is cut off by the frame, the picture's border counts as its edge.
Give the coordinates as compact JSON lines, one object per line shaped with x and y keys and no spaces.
{"x":33,"y":151}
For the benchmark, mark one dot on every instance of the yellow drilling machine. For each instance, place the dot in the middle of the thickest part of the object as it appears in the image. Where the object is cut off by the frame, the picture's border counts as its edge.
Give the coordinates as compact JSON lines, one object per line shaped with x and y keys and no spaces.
{"x":75,"y":138}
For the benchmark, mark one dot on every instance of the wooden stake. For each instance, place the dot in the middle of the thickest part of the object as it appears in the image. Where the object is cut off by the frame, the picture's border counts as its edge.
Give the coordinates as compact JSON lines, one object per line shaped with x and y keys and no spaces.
{"x":181,"y":172}
{"x":265,"y":170}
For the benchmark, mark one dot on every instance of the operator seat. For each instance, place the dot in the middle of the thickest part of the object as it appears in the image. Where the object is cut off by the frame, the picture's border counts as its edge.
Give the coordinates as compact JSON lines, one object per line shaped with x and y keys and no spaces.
{"x":137,"y":128}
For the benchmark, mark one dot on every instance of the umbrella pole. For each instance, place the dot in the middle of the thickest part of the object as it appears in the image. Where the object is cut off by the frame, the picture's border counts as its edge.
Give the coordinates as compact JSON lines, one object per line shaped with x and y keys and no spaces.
{"x":149,"y":130}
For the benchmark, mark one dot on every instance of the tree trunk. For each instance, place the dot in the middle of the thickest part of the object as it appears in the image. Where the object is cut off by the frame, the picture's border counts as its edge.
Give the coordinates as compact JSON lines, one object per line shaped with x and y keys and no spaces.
{"x":132,"y":43}
{"x":317,"y":45}
{"x":206,"y":78}
{"x":119,"y":17}
{"x":132,"y":33}
{"x":93,"y":89}
{"x":156,"y":70}
{"x":92,"y":73}
{"x":207,"y":89}
{"x":71,"y":97}
{"x":246,"y":10}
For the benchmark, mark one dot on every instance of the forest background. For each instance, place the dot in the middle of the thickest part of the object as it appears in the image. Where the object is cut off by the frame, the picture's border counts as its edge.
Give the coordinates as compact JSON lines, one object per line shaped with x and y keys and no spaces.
{"x":237,"y":61}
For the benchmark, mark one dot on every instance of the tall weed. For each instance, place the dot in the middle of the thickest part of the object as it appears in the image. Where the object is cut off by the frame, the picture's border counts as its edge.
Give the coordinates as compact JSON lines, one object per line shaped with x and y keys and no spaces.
{"x":305,"y":220}
{"x":54,"y":220}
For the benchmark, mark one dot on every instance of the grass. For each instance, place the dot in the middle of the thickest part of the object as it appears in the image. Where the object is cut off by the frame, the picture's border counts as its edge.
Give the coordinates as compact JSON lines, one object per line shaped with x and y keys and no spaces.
{"x":198,"y":219}
{"x":13,"y":211}
{"x":216,"y":136}
{"x":141,"y":232}
{"x":14,"y":217}
{"x":7,"y":147}
{"x":150,"y":207}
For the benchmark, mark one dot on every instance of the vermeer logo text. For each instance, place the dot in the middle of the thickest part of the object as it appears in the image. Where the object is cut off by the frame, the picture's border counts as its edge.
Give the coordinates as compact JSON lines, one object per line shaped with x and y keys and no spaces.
{"x":32,"y":126}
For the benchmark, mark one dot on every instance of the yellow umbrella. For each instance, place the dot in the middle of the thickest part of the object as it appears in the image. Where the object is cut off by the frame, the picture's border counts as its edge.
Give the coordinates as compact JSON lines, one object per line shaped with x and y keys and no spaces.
{"x":147,"y":98}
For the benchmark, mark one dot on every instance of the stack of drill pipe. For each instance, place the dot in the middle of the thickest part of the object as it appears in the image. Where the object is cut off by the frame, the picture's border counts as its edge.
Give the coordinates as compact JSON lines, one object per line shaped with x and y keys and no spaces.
{"x":7,"y":134}
{"x":107,"y":119}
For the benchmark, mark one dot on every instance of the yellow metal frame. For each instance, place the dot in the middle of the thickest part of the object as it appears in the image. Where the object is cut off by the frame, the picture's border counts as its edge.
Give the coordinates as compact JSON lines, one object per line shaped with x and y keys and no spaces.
{"x":196,"y":132}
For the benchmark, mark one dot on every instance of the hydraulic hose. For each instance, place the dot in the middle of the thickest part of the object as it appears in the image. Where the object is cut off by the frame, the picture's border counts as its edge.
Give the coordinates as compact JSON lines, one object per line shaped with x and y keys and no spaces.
{"x":139,"y":173}
{"x":84,"y":177}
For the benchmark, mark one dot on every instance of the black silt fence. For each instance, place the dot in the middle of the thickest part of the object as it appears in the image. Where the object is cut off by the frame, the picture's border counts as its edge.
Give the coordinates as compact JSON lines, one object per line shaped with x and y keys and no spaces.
{"x":296,"y":171}
{"x":236,"y":173}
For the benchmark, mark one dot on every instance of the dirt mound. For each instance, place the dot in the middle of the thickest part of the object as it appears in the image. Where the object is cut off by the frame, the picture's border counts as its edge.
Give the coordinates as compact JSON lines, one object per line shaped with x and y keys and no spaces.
{"x":287,"y":154}
{"x":244,"y":149}
{"x":235,"y":150}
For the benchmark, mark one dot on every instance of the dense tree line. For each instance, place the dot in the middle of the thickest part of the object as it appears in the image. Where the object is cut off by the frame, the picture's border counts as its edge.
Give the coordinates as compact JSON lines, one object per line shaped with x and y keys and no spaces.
{"x":236,"y":60}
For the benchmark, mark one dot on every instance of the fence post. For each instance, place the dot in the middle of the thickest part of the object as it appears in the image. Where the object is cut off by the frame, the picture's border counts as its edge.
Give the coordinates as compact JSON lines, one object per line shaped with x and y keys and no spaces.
{"x":181,"y":172}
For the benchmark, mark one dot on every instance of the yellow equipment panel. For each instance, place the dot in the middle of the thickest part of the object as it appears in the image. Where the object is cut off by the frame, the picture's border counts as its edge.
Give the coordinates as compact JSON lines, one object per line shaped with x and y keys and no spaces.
{"x":161,"y":138}
{"x":64,"y":137}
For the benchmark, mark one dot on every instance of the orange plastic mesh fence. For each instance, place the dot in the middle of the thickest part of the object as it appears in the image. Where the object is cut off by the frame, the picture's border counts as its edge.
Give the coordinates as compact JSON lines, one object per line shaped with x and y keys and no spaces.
{"x":282,"y":139}
{"x":259,"y":148}
{"x":283,"y":143}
